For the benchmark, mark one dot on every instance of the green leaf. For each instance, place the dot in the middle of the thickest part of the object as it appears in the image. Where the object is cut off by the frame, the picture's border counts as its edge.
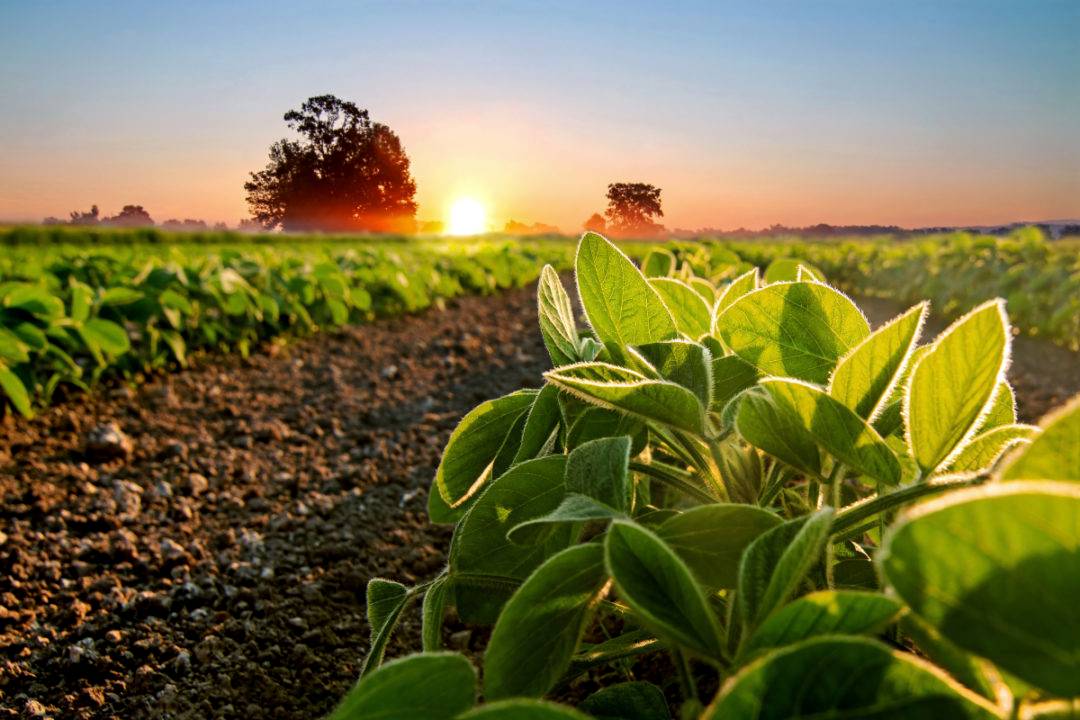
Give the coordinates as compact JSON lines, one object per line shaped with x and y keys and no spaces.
{"x":630,"y":392}
{"x":952,"y":385}
{"x":540,"y":627}
{"x":447,"y":684}
{"x":1003,"y":409}
{"x":776,"y":562}
{"x":835,"y":427}
{"x":711,"y":539}
{"x":541,"y":426}
{"x":658,"y":263}
{"x":119,"y":296}
{"x":36,"y":301}
{"x":600,"y":469}
{"x":15,"y":391}
{"x":81,"y":297}
{"x":730,"y":376}
{"x":1005,"y":587}
{"x":107,"y":336}
{"x":985,"y":449}
{"x":575,"y":508}
{"x":745,"y":283}
{"x":826,"y":612}
{"x":522,"y":710}
{"x":596,"y":422}
{"x":684,"y":363}
{"x":470,"y":452}
{"x":782,"y":270}
{"x":556,"y":318}
{"x":433,"y":613}
{"x":12,"y":348}
{"x":692,"y":314}
{"x":793,"y":329}
{"x":864,"y":378}
{"x":1055,"y":453}
{"x":627,"y":701}
{"x":762,"y":424}
{"x":529,"y":490}
{"x":833,"y":678}
{"x":620,"y":305}
{"x":385,"y":601}
{"x":660,"y":589}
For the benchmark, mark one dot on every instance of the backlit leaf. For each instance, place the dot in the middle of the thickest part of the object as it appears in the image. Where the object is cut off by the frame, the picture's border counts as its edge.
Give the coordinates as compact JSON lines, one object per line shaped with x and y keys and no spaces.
{"x":1055,"y":453}
{"x":390,"y":693}
{"x":711,"y":539}
{"x":692,"y":314}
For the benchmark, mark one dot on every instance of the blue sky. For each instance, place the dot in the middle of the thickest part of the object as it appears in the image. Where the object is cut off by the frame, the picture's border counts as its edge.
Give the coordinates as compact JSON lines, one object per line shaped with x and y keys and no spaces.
{"x":744,"y":113}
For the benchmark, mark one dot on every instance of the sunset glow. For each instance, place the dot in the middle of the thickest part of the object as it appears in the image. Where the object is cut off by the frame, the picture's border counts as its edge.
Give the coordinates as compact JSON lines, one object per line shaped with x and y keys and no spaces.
{"x":467,"y":217}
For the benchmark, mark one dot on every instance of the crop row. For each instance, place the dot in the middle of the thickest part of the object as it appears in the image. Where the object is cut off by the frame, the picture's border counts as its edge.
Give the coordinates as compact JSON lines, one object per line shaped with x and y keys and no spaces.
{"x":731,"y":485}
{"x":1039,"y":280}
{"x":69,"y":316}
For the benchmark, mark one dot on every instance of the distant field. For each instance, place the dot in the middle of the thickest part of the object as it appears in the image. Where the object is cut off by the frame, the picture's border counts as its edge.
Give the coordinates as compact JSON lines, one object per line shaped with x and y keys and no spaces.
{"x":80,"y":304}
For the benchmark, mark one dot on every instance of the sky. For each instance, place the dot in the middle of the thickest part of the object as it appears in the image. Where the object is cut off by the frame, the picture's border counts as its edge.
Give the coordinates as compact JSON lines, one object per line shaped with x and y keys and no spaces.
{"x":746,"y":114}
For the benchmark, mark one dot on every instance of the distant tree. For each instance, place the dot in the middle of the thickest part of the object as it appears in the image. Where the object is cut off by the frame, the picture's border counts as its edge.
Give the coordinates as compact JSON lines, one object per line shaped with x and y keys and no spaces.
{"x":86,"y":218}
{"x":220,"y":227}
{"x":596,"y":223}
{"x":250,"y":225}
{"x":345,"y":173}
{"x":130,"y":216}
{"x":631,"y":209}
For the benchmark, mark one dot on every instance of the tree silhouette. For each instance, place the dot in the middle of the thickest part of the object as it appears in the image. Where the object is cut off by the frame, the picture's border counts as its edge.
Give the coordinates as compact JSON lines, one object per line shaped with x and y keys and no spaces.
{"x":130,"y":216}
{"x":595,"y":223}
{"x":346,"y":173}
{"x":86,"y":218}
{"x":631,"y":209}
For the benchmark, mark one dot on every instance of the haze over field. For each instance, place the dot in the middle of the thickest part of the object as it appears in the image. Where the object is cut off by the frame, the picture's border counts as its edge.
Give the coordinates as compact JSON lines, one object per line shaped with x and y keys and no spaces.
{"x":912,"y":114}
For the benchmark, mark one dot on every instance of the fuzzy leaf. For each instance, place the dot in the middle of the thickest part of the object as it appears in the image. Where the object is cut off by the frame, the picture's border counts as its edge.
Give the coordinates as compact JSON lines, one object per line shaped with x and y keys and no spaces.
{"x":745,"y":283}
{"x":541,"y":425}
{"x":985,"y":449}
{"x":692,"y":314}
{"x":730,"y":376}
{"x":470,"y":451}
{"x":776,"y":562}
{"x":540,"y":627}
{"x":522,"y":709}
{"x":15,"y":391}
{"x":711,"y":539}
{"x":832,"y":678}
{"x":448,"y":684}
{"x":684,"y":363}
{"x":762,"y":424}
{"x":600,"y":469}
{"x":630,"y":392}
{"x":385,"y":601}
{"x":1006,"y":586}
{"x":827,"y":612}
{"x":793,"y":329}
{"x":627,"y":701}
{"x":556,"y":318}
{"x":952,"y":385}
{"x":864,"y":378}
{"x":659,"y":588}
{"x":1055,"y":453}
{"x":620,"y":305}
{"x":835,"y":427}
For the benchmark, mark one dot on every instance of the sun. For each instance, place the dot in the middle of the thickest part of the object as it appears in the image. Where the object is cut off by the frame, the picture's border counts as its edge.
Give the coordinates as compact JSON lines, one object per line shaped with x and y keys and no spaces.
{"x":467,"y":217}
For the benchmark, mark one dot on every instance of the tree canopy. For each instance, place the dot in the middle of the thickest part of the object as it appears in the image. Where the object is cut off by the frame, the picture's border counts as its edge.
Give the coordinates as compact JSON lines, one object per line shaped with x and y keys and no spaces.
{"x":345,"y":173}
{"x":631,"y":209}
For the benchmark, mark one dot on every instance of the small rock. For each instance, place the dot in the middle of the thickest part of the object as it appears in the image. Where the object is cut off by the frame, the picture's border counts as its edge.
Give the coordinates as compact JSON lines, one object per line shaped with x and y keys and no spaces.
{"x":107,"y":442}
{"x":298,"y":622}
{"x":172,"y":550}
{"x":389,"y":372}
{"x":174,"y":448}
{"x":34,"y":708}
{"x":128,"y":498}
{"x":196,"y":484}
{"x":460,"y":640}
{"x":113,"y":636}
{"x":182,"y":662}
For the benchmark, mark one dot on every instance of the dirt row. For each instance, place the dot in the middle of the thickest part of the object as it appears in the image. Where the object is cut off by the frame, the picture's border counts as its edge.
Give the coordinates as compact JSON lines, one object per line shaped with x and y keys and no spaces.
{"x":199,"y":548}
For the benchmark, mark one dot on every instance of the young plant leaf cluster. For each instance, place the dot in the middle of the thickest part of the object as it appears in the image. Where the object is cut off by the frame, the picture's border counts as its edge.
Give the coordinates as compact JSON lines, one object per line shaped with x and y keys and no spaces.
{"x":69,"y":316}
{"x":818,"y":518}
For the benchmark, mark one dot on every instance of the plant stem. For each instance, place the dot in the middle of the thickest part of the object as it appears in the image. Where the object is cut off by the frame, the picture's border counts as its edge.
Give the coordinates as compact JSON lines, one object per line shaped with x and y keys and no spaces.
{"x":668,"y":475}
{"x":686,"y":677}
{"x":854,"y":515}
{"x":836,"y":477}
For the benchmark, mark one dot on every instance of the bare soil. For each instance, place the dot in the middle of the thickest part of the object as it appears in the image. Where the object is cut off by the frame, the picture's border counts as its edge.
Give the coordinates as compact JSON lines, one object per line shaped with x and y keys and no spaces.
{"x":217,"y":570}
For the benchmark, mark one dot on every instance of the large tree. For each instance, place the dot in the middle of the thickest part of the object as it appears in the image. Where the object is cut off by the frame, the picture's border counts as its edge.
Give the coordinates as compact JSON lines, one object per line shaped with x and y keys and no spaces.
{"x":345,"y":173}
{"x":631,"y":209}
